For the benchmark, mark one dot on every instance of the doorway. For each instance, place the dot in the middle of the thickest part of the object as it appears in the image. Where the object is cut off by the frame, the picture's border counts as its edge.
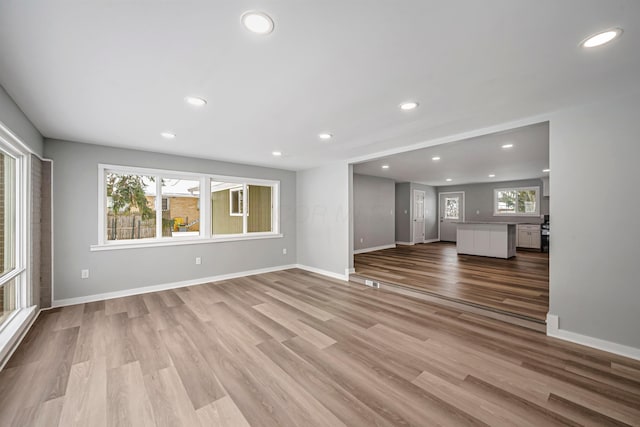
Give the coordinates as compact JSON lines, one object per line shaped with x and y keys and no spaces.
{"x":450,"y":212}
{"x":418,"y":216}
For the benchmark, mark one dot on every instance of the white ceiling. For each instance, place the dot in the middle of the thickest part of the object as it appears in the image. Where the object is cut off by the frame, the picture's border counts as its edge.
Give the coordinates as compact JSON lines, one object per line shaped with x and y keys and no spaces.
{"x":116,"y":72}
{"x":471,"y":160}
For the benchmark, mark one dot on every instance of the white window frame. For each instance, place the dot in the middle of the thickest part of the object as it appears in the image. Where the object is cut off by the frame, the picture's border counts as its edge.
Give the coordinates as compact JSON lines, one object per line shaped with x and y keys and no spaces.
{"x":206,"y":235}
{"x":14,"y":326}
{"x":234,"y":190}
{"x":517,"y":190}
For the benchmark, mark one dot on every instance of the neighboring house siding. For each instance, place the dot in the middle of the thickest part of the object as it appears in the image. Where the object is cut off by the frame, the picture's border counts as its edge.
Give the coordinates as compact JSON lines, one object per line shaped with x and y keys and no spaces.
{"x":185,"y":208}
{"x":223,"y":222}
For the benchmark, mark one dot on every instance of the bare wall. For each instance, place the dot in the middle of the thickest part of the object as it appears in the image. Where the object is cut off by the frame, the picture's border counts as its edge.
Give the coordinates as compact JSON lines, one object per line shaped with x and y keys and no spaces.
{"x":594,"y":268}
{"x":403,"y":212}
{"x":323,"y":218}
{"x":374,"y":208}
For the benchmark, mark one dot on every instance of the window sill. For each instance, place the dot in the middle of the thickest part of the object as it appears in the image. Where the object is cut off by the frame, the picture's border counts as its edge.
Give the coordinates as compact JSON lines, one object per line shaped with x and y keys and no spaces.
{"x":152,"y":243}
{"x":13,"y":329}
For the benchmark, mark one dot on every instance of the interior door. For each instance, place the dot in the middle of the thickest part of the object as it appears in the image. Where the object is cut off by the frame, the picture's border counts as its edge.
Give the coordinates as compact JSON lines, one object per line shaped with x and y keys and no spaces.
{"x":418,"y":216}
{"x":451,"y":211}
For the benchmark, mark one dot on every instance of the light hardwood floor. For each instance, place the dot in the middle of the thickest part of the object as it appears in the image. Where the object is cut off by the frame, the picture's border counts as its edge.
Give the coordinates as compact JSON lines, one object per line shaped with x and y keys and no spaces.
{"x":296,"y":349}
{"x":519,"y":285}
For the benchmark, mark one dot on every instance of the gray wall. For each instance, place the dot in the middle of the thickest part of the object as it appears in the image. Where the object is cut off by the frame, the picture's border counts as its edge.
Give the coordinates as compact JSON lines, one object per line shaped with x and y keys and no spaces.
{"x":374,"y":207}
{"x":479,"y":197}
{"x":595,"y":273}
{"x":431,"y":209}
{"x":75,"y":198}
{"x":323,"y":217}
{"x":12,"y":116}
{"x":403,"y":212}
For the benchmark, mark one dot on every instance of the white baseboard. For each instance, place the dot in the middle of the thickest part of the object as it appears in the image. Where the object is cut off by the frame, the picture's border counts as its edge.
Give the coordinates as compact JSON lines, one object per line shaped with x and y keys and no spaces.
{"x":374,"y":248}
{"x":348,"y":271}
{"x":343,"y":277}
{"x":405,"y":243}
{"x":431,"y":241}
{"x":166,"y":286}
{"x":553,"y":330}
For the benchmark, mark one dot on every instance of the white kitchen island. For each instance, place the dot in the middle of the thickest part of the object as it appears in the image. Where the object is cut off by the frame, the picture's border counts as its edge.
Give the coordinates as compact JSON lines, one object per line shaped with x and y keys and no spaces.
{"x":492,"y":239}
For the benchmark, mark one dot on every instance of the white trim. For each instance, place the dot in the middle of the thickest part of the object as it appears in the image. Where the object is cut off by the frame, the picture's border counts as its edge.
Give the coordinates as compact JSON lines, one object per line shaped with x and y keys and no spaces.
{"x":405,"y":243}
{"x":374,"y":248}
{"x":177,"y":241}
{"x":431,"y":241}
{"x":464,"y":206}
{"x":18,"y":140}
{"x":553,"y":330}
{"x":343,"y":277}
{"x":103,"y":243}
{"x":348,"y":271}
{"x":13,"y":335}
{"x":166,"y":286}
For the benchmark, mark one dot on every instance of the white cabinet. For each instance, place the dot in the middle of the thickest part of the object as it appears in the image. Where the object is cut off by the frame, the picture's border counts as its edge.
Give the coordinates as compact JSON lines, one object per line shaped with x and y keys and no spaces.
{"x":487,"y":239}
{"x":528,"y":236}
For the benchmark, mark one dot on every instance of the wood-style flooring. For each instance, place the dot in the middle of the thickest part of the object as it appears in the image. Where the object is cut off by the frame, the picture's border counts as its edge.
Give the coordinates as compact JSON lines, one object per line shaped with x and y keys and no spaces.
{"x":519,"y":285}
{"x":295,"y":349}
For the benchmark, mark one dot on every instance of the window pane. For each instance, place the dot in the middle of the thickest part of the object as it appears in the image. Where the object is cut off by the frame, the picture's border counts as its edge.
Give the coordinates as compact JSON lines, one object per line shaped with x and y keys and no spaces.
{"x":7,"y":300}
{"x":226,"y":208}
{"x":527,"y":201}
{"x":507,"y":201}
{"x":7,"y":213}
{"x":259,"y":206}
{"x":131,"y":212}
{"x":451,"y":208}
{"x":180,"y":207}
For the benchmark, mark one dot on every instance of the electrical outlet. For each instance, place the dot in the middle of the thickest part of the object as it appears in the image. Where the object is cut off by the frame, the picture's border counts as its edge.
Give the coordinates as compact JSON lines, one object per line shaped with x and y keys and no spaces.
{"x":198,"y":260}
{"x":84,"y":274}
{"x":284,"y":251}
{"x":361,"y":240}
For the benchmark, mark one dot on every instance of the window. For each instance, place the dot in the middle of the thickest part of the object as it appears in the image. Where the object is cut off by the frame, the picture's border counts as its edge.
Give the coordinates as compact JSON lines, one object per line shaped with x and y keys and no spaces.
{"x":14,"y":298}
{"x":451,"y":208}
{"x":232,"y":213}
{"x":517,"y":201}
{"x":235,"y":202}
{"x":8,"y":295}
{"x":131,"y":212}
{"x":148,"y":206}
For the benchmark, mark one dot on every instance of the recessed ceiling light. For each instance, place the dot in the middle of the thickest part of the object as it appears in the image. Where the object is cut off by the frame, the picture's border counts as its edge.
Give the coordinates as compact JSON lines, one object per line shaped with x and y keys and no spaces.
{"x":385,"y":166}
{"x":325,"y":136}
{"x":435,"y":158}
{"x":257,"y":22}
{"x":507,"y":146}
{"x":448,"y":180}
{"x":409,"y":105}
{"x":492,"y":175}
{"x":601,"y":38}
{"x":276,"y":153}
{"x":546,"y":170}
{"x":168,"y":135}
{"x":194,"y":100}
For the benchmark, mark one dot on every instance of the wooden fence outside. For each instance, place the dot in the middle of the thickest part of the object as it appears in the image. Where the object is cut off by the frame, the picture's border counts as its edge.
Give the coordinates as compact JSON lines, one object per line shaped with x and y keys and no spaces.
{"x":126,"y":227}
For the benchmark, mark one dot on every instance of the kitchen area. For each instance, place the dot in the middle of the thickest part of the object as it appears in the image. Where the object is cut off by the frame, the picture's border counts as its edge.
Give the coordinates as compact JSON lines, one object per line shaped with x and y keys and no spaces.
{"x":467,"y":222}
